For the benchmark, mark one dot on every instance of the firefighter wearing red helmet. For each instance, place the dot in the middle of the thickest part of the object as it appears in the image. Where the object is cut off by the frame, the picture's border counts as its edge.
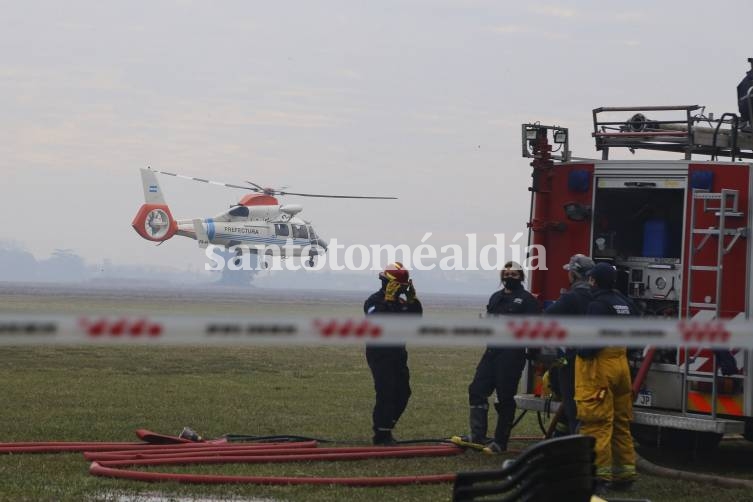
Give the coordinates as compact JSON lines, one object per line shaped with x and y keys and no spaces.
{"x":389,"y":364}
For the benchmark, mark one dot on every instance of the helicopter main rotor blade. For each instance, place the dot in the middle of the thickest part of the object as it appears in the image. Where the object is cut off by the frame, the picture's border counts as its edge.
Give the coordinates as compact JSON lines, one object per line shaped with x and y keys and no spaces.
{"x":255,"y":185}
{"x":270,"y":191}
{"x":335,"y":196}
{"x":203,"y":180}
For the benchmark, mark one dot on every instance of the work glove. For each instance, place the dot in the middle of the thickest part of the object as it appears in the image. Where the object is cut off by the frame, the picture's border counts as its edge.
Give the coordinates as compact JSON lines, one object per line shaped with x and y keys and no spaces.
{"x":410,"y":293}
{"x":392,"y":291}
{"x":560,"y":362}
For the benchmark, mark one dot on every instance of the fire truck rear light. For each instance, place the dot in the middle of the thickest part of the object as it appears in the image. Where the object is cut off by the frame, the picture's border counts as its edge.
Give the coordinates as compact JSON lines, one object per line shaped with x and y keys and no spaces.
{"x":702,"y":180}
{"x":560,"y":136}
{"x":531,"y":133}
{"x":579,"y":180}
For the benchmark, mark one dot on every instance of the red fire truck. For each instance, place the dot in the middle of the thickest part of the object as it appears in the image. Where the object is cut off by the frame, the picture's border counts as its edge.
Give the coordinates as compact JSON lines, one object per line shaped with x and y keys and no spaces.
{"x":677,"y":230}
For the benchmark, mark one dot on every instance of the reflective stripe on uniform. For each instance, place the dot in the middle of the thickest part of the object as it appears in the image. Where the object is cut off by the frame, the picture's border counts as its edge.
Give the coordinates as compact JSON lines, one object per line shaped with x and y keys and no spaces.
{"x":625,"y":472}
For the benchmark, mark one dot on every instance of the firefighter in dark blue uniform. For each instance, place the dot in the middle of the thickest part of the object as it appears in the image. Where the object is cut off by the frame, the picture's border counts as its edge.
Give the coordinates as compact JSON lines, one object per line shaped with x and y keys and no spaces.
{"x":389,"y":364}
{"x":500,"y":368}
{"x":574,"y":301}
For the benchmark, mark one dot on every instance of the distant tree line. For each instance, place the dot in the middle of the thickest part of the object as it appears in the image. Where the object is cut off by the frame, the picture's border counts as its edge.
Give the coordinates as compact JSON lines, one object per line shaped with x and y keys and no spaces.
{"x":18,"y":264}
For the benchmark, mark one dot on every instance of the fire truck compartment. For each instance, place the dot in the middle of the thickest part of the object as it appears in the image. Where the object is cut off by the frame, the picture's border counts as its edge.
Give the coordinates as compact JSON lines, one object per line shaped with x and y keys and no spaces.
{"x":638,"y":225}
{"x":638,"y":218}
{"x":658,"y":418}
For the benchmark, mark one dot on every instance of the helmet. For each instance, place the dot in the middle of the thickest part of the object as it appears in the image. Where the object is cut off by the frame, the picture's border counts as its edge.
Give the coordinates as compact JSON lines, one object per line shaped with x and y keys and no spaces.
{"x":604,"y":274}
{"x":579,"y":264}
{"x":395,"y":272}
{"x":512,"y":265}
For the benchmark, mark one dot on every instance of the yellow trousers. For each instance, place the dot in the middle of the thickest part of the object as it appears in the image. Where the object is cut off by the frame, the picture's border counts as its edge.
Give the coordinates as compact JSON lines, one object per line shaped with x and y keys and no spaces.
{"x":605,"y":408}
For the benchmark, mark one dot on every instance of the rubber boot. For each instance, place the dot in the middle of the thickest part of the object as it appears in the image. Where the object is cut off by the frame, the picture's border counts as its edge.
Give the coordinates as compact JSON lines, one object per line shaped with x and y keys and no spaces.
{"x":479,"y":418}
{"x":562,"y":428}
{"x":383,"y":438}
{"x":505,"y":419}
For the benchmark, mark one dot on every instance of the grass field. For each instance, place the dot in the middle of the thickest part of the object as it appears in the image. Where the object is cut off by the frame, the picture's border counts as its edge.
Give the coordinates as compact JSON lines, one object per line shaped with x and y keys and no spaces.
{"x":104,"y":394}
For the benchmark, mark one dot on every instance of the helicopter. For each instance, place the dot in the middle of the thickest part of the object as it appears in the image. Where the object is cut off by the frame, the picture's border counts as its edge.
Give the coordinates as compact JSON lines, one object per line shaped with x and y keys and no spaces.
{"x":256,"y":224}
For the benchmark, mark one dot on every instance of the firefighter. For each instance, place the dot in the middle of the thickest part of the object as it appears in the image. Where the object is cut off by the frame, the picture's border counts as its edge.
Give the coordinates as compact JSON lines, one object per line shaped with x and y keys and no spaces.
{"x":603,"y":389}
{"x":500,"y":368}
{"x":389,"y":364}
{"x":572,"y":302}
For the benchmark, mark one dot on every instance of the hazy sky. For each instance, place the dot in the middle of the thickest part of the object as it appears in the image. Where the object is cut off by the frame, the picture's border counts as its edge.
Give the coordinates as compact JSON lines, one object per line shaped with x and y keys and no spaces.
{"x":418,"y":99}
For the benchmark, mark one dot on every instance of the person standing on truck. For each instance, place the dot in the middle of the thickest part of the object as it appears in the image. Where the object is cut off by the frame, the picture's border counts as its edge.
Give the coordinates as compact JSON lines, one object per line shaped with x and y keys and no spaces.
{"x":389,"y":364}
{"x":500,"y":368}
{"x":742,"y":92}
{"x":603,"y":388}
{"x":574,"y":301}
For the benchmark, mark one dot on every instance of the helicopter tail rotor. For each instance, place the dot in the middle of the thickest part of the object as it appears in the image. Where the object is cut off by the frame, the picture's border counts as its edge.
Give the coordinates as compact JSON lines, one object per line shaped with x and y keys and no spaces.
{"x":153,"y":221}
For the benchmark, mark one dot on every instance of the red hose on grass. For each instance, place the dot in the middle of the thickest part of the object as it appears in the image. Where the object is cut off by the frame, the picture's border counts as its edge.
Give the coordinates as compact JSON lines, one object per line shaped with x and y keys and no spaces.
{"x":149,"y":440}
{"x":99,"y":470}
{"x":111,"y":468}
{"x":236,"y":449}
{"x":109,"y":458}
{"x":59,"y":446}
{"x":305,"y":455}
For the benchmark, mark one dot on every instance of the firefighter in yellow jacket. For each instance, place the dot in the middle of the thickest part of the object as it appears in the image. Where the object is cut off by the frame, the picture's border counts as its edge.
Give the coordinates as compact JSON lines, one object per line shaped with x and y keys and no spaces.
{"x":603,"y":390}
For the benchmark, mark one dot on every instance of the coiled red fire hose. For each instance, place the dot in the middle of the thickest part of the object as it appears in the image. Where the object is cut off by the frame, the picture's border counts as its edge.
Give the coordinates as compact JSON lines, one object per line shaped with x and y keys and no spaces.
{"x":99,"y":470}
{"x":205,"y":449}
{"x":113,"y":468}
{"x":108,"y":459}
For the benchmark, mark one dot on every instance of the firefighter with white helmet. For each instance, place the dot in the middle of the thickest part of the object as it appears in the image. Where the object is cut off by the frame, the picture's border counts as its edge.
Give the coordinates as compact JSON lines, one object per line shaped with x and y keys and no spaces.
{"x":500,"y":368}
{"x":574,"y":301}
{"x":389,"y":364}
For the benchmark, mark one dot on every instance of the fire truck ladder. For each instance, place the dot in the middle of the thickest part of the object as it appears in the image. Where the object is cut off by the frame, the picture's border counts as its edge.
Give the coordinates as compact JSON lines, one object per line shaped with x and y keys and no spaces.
{"x":727,"y":207}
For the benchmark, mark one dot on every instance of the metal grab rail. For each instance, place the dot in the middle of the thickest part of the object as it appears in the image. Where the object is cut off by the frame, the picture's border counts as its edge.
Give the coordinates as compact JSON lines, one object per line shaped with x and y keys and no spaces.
{"x":604,"y":139}
{"x":682,"y":135}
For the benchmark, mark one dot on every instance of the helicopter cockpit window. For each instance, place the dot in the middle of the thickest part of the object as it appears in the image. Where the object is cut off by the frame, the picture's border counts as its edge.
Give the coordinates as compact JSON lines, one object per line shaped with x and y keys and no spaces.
{"x":300,"y":232}
{"x":312,"y":234}
{"x":282,"y":229}
{"x":239,"y":212}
